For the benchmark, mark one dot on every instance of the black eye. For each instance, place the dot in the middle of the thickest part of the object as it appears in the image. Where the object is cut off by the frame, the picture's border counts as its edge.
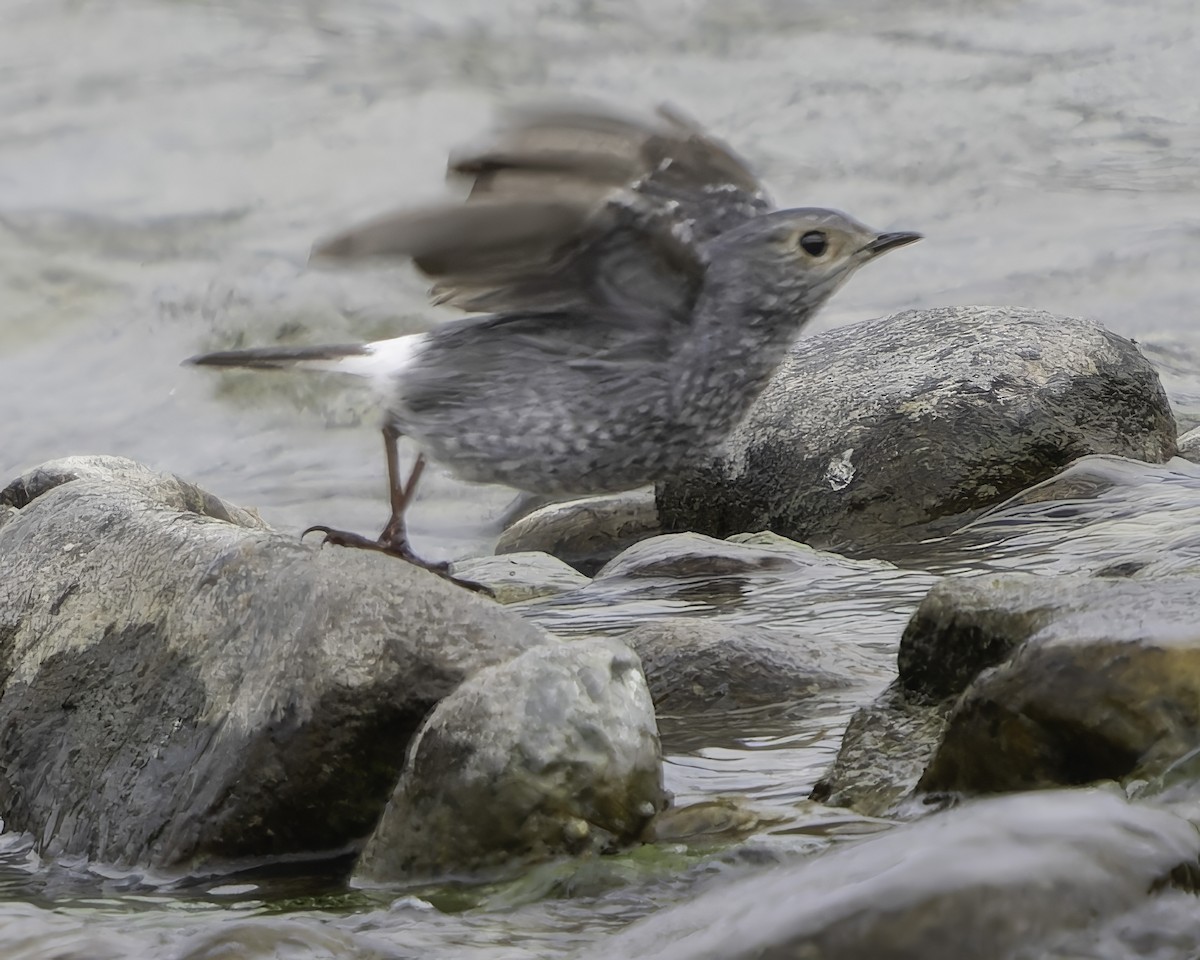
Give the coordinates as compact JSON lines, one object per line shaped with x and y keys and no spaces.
{"x":814,"y":243}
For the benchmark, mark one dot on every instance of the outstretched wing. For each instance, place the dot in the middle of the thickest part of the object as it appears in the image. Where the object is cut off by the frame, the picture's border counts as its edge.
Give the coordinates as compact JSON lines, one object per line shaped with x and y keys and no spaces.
{"x":575,"y":209}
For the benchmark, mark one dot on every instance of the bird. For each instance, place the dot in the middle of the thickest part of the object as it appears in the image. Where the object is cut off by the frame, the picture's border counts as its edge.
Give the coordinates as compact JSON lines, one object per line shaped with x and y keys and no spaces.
{"x":631,"y":290}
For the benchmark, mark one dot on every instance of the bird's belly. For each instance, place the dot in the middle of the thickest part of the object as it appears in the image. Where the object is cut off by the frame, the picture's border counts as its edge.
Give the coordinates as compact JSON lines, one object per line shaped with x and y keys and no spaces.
{"x":564,"y":456}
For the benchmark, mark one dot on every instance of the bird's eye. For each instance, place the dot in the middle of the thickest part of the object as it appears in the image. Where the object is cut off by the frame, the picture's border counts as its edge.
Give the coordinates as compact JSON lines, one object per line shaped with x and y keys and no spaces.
{"x":814,"y":243}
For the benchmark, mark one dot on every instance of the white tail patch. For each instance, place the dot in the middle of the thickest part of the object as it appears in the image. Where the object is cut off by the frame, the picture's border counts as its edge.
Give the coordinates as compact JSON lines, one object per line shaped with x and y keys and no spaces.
{"x":381,"y":363}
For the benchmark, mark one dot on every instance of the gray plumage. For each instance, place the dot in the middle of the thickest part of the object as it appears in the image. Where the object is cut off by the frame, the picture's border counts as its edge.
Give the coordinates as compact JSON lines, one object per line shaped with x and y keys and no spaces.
{"x":643,"y":292}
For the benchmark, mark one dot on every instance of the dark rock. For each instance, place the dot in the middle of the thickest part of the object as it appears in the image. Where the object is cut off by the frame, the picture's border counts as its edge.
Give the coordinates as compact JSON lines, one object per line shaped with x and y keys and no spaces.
{"x":965,"y":625}
{"x":883,"y":754}
{"x":903,"y":428}
{"x":179,"y":683}
{"x":585,"y":533}
{"x":696,"y":665}
{"x":1107,"y":688}
{"x":553,"y":752}
{"x":992,"y":880}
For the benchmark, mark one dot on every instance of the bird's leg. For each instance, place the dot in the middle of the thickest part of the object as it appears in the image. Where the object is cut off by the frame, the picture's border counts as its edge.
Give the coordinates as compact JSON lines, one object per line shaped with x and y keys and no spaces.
{"x":394,"y":537}
{"x":393,"y":540}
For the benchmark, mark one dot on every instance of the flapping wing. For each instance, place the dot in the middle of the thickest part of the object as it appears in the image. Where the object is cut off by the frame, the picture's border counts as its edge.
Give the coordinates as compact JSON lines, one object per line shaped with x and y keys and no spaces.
{"x":574,"y":208}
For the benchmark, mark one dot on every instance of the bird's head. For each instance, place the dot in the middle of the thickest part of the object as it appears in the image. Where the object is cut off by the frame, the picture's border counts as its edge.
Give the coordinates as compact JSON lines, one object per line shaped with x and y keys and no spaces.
{"x":802,"y":255}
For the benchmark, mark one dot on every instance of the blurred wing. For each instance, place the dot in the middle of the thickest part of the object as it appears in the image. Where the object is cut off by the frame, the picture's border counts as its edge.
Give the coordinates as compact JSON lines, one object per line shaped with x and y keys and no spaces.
{"x":574,"y":208}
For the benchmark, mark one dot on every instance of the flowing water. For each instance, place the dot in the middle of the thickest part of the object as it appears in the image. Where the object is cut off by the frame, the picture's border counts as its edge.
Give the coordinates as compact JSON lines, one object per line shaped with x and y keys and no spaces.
{"x":166,"y":165}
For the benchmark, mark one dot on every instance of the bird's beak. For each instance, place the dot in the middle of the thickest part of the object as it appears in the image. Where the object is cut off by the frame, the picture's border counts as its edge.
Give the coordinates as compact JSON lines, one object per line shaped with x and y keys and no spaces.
{"x":889,"y":241}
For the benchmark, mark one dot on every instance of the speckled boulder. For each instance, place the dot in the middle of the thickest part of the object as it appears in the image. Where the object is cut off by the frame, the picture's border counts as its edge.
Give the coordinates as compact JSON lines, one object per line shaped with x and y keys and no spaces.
{"x":180,"y":684}
{"x":903,"y":428}
{"x":555,"y":752}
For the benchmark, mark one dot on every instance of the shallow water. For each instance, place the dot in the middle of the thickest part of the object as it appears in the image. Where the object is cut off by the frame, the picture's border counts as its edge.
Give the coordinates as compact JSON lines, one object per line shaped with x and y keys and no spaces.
{"x":165,"y":166}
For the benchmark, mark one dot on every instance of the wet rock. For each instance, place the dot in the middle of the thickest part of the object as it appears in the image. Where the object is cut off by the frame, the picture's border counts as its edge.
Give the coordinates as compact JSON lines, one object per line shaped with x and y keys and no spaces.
{"x":709,"y":821}
{"x":679,"y":556}
{"x":696,"y":665}
{"x":515,"y":577}
{"x":1189,"y":445}
{"x":585,"y":533}
{"x":884,"y":752}
{"x":903,"y":428}
{"x":553,"y":752}
{"x":966,"y":624}
{"x":167,"y":489}
{"x":180,"y":683}
{"x":970,"y":882}
{"x":1103,"y":515}
{"x":1103,"y":682}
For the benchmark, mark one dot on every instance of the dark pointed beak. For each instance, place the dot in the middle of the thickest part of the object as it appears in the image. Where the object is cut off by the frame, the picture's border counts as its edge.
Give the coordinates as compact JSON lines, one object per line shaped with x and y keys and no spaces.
{"x":889,"y":241}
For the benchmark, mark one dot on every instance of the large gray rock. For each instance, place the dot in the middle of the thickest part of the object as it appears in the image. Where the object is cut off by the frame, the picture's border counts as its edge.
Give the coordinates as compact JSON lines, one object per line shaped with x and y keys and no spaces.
{"x":990,"y":881}
{"x":553,"y":752}
{"x":903,"y":428}
{"x":179,"y":683}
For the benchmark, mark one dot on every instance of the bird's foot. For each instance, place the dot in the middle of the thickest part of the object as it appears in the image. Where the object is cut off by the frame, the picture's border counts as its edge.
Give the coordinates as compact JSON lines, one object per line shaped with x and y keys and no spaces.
{"x":393,"y":546}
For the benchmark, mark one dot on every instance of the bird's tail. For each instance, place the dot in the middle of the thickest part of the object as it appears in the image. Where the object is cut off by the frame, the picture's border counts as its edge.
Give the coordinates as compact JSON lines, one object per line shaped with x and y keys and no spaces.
{"x":380,"y":361}
{"x":338,"y":358}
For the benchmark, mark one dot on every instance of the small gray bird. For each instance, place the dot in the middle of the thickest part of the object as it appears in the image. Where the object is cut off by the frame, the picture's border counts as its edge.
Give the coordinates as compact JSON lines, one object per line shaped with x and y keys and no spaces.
{"x":642,"y":293}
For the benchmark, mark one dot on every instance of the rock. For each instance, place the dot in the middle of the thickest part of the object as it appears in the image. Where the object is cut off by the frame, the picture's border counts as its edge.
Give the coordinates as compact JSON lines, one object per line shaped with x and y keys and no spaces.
{"x":1189,"y":445}
{"x":179,"y":683}
{"x":585,"y":533}
{"x":710,"y":821}
{"x":903,"y":428}
{"x":697,"y":665}
{"x":1103,"y":515}
{"x":966,"y":624}
{"x":1103,"y":682}
{"x":990,"y":881}
{"x":554,"y":752}
{"x":520,"y":576}
{"x":883,"y":754}
{"x":679,"y":556}
{"x":167,"y":489}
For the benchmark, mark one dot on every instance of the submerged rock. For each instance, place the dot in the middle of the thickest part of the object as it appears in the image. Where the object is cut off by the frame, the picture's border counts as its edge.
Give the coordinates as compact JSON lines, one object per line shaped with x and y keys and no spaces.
{"x":984,"y":881}
{"x":696,"y":665}
{"x":180,"y":683}
{"x":553,"y":752}
{"x":585,"y":533}
{"x":903,"y":428}
{"x":682,"y":556}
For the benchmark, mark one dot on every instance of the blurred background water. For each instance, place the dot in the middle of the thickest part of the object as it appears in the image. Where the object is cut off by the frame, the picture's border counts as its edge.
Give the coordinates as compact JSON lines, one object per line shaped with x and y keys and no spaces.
{"x":166,"y":165}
